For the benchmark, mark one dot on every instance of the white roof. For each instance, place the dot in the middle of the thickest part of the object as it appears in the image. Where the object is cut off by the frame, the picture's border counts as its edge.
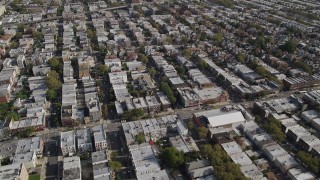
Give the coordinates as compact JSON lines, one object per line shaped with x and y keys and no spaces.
{"x":301,"y":174}
{"x":231,"y":148}
{"x":241,"y":158}
{"x":159,"y":175}
{"x":251,"y":171}
{"x":219,"y":118}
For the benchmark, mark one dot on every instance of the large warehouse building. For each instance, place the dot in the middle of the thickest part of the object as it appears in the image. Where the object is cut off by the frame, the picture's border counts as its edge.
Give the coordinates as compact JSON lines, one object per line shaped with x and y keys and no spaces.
{"x":219,"y":118}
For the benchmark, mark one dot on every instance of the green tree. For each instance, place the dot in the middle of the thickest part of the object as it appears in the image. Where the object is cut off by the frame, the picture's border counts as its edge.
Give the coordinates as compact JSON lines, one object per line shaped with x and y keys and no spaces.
{"x":118,"y":177}
{"x":190,"y":124}
{"x":260,"y":42}
{"x":180,"y":70}
{"x":14,"y":45}
{"x":202,"y":132}
{"x":225,"y":3}
{"x":115,"y":165}
{"x":114,"y":155}
{"x":206,"y":150}
{"x":20,"y":28}
{"x":91,"y":34}
{"x":5,"y":108}
{"x":53,"y":81}
{"x":143,"y":58}
{"x":59,"y":11}
{"x":290,"y":46}
{"x":140,"y":138}
{"x":258,"y":119}
{"x":152,"y":71}
{"x":221,"y":79}
{"x":25,"y":133}
{"x":101,"y":95}
{"x":23,"y":94}
{"x":5,"y":161}
{"x":273,"y":126}
{"x":278,"y":53}
{"x":172,"y":157}
{"x":133,"y":114}
{"x":1,"y":31}
{"x":217,"y":38}
{"x":56,"y":64}
{"x":224,"y":167}
{"x":184,"y":40}
{"x":202,"y":65}
{"x":186,"y":53}
{"x":18,"y":35}
{"x":51,"y":94}
{"x":313,"y":163}
{"x":303,"y":66}
{"x":164,"y":86}
{"x":13,"y":115}
{"x":38,"y":36}
{"x":241,"y":58}
{"x":191,"y":156}
{"x":102,"y":69}
{"x":85,"y":156}
{"x":104,"y":110}
{"x":169,"y":39}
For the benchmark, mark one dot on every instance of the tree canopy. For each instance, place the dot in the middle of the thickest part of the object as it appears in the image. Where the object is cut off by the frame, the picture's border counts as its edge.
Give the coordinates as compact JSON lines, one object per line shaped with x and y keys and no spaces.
{"x":190,"y":124}
{"x":202,"y":132}
{"x":53,"y":81}
{"x":134,"y":114}
{"x":303,"y":66}
{"x":23,"y":94}
{"x":273,"y":126}
{"x":25,"y":133}
{"x":152,"y":71}
{"x":173,"y":158}
{"x":202,"y":65}
{"x":224,"y":167}
{"x":100,"y":70}
{"x":143,"y":58}
{"x":290,"y":46}
{"x":140,"y":138}
{"x":313,"y":163}
{"x":51,"y":94}
{"x":115,"y":165}
{"x":225,"y":3}
{"x":7,"y":110}
{"x":164,"y":86}
{"x":241,"y":58}
{"x":56,"y":64}
{"x":218,"y":38}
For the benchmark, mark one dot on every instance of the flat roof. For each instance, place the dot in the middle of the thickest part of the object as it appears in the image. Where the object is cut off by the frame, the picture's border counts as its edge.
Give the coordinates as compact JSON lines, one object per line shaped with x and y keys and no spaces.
{"x":299,"y":173}
{"x":251,"y":171}
{"x":179,"y":143}
{"x":99,"y":157}
{"x":28,"y":145}
{"x":159,"y":175}
{"x":241,"y":158}
{"x":10,"y":172}
{"x":71,"y":168}
{"x":287,"y":161}
{"x":83,"y":136}
{"x":276,"y":150}
{"x":217,"y":117}
{"x":299,"y":131}
{"x":24,"y":158}
{"x":231,"y":148}
{"x":67,"y":138}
